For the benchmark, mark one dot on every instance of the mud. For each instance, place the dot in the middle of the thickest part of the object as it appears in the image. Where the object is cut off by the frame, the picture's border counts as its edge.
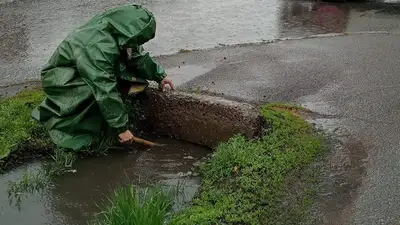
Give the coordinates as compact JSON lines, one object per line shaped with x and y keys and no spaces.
{"x":200,"y":119}
{"x":73,"y":198}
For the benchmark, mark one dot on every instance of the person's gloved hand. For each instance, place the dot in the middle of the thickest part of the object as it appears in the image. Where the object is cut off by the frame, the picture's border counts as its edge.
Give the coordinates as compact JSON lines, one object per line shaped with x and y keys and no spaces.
{"x":126,"y":137}
{"x":166,"y":81}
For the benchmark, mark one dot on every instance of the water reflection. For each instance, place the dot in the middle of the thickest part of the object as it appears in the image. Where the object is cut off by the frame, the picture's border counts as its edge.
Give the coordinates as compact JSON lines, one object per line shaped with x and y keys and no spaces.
{"x":31,"y":30}
{"x":77,"y":195}
{"x":308,"y":18}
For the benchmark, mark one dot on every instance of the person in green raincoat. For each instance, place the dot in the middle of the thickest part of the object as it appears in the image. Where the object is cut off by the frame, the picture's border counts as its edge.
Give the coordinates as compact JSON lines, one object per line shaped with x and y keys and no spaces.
{"x":82,"y":78}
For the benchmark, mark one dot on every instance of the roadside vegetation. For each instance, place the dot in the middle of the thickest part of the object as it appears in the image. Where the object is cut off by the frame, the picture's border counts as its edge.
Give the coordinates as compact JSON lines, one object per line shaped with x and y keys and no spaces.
{"x":20,"y":135}
{"x":135,"y":205}
{"x":244,"y":182}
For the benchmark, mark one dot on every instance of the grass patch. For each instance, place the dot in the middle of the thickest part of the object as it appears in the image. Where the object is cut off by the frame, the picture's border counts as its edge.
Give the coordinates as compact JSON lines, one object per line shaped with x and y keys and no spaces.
{"x":246,"y":181}
{"x":18,"y":131}
{"x":133,"y":205}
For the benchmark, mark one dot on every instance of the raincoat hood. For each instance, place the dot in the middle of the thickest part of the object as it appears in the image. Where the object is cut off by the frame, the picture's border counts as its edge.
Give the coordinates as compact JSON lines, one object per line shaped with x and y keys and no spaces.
{"x":131,"y":25}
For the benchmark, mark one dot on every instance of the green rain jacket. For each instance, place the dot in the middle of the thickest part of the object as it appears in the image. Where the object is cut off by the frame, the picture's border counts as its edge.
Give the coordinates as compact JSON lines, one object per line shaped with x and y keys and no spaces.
{"x":80,"y":79}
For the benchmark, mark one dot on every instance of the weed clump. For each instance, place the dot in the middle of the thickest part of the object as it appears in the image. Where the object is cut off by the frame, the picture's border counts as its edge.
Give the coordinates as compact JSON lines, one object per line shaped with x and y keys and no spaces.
{"x":135,"y":205}
{"x":246,"y":180}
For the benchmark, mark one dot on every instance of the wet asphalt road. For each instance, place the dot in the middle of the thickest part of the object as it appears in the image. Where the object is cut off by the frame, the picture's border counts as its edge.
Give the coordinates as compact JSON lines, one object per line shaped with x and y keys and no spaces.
{"x":30,"y":30}
{"x":353,"y":78}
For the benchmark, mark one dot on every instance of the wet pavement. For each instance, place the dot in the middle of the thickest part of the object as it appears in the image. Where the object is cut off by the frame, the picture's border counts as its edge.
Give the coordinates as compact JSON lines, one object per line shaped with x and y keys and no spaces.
{"x":351,"y":80}
{"x":74,"y":199}
{"x":30,"y":30}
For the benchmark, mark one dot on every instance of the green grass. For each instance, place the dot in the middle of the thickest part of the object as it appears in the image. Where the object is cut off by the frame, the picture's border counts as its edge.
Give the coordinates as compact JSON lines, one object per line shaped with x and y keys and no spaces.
{"x":17,"y":129}
{"x":246,"y":181}
{"x":132,"y":205}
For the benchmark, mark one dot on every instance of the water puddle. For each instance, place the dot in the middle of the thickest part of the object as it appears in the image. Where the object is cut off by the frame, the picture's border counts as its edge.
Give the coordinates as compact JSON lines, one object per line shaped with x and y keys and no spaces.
{"x":74,"y":197}
{"x":342,"y":171}
{"x":31,"y":30}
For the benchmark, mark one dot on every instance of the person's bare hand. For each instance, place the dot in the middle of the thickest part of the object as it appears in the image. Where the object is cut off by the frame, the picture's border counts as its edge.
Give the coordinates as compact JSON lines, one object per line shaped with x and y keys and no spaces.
{"x":126,"y":137}
{"x":166,"y":81}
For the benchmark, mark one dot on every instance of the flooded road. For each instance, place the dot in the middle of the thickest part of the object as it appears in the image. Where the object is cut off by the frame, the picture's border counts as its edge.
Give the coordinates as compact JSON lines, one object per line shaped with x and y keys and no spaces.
{"x":74,"y":197}
{"x":30,"y":30}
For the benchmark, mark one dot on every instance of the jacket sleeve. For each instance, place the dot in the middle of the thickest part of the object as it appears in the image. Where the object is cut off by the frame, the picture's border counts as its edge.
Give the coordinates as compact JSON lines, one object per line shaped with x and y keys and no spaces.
{"x":95,"y":65}
{"x":145,"y":66}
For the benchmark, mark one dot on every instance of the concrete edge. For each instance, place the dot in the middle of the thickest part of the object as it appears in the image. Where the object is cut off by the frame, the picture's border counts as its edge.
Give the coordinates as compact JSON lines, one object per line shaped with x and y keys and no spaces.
{"x":200,"y":119}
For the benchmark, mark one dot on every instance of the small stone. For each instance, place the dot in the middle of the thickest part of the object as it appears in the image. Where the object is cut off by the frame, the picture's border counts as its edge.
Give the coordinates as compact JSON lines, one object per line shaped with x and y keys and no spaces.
{"x":189,"y":173}
{"x":188,"y":157}
{"x":180,"y":174}
{"x":195,"y":174}
{"x":196,"y":164}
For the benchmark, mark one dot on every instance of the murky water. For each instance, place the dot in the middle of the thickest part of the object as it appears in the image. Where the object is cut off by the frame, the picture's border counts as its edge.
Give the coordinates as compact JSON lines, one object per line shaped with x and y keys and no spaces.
{"x":73,"y":198}
{"x":31,"y":29}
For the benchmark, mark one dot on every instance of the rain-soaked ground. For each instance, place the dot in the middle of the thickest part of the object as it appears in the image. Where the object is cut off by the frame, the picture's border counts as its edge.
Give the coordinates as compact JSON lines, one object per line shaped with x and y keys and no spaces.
{"x":353,"y":78}
{"x":74,"y":198}
{"x":31,"y":29}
